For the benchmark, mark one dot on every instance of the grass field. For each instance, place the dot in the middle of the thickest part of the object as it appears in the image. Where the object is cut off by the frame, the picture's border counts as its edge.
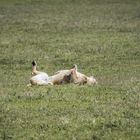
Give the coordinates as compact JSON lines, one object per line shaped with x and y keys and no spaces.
{"x":102,"y":37}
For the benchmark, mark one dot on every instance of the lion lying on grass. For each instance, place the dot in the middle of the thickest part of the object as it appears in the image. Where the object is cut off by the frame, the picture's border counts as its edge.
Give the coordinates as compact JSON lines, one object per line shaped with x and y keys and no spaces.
{"x":60,"y":77}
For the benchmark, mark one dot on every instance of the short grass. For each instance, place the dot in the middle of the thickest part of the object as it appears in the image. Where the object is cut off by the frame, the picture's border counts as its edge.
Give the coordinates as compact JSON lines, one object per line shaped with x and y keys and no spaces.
{"x":102,"y":37}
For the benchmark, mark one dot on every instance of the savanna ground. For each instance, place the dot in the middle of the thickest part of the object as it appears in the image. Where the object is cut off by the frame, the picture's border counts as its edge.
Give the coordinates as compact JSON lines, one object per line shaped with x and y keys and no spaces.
{"x":102,"y":38}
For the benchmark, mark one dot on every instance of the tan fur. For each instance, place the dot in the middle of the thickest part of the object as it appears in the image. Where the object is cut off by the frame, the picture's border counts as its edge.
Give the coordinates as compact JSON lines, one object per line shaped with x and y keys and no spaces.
{"x":79,"y":78}
{"x":63,"y":77}
{"x":60,"y":77}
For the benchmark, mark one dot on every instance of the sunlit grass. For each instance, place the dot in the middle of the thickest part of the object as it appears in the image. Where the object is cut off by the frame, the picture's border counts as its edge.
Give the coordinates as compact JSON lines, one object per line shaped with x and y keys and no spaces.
{"x":101,"y":37}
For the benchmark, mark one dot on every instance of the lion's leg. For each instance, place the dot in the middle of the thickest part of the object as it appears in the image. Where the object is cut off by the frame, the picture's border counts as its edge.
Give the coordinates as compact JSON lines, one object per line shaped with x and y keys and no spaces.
{"x":34,"y":69}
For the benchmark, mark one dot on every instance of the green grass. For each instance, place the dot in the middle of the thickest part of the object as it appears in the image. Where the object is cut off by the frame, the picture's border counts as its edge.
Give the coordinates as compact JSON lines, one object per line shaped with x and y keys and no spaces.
{"x":102,"y":38}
